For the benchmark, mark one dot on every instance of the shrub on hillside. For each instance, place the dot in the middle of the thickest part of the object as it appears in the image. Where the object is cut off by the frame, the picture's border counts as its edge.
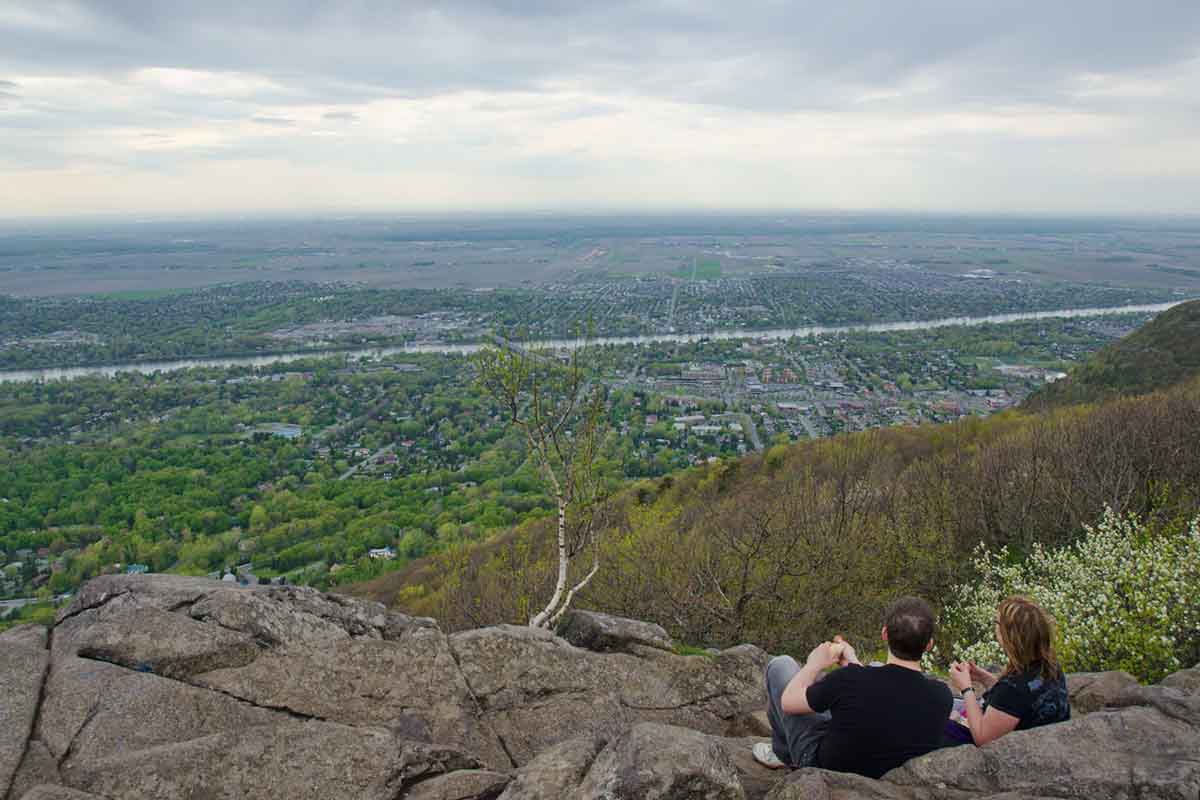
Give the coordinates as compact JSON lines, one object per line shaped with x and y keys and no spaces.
{"x":1125,"y":596}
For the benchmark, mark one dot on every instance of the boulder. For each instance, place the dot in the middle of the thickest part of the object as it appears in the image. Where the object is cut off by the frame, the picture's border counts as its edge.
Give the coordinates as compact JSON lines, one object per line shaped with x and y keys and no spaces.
{"x":23,"y":663}
{"x":536,"y":689}
{"x":756,"y":779}
{"x":269,"y":622}
{"x":150,"y":640}
{"x":138,"y":711}
{"x":56,"y":792}
{"x":818,"y":784}
{"x":276,"y":648}
{"x":662,"y":762}
{"x":29,"y":635}
{"x":604,"y":633}
{"x":37,"y":769}
{"x":1131,"y":752}
{"x":357,"y":618}
{"x":411,"y":686}
{"x":465,"y":784}
{"x":300,"y":760}
{"x":113,"y":685}
{"x":750,"y":723}
{"x":318,"y":761}
{"x":155,"y":686}
{"x":165,"y":592}
{"x":555,"y":772}
{"x":1186,"y":680}
{"x":1092,"y":691}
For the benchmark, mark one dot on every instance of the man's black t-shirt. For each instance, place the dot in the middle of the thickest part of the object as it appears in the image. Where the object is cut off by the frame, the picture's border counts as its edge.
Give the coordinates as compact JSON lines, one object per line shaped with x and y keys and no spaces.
{"x":882,"y":717}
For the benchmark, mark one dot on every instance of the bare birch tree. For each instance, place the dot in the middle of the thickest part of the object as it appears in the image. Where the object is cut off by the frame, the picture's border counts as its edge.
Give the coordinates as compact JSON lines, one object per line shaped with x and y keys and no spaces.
{"x":560,"y":413}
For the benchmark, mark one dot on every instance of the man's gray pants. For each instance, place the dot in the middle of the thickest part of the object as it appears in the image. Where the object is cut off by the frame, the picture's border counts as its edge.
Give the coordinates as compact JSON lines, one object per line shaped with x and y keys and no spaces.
{"x":794,"y":737}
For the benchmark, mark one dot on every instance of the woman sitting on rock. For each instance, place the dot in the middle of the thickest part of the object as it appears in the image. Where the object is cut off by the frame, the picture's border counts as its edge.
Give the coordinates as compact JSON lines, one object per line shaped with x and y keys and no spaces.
{"x":1031,"y":691}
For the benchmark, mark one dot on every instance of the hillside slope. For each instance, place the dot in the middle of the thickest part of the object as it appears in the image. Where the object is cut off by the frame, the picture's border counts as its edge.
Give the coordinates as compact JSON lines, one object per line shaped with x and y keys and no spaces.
{"x":1161,"y":354}
{"x":783,"y":547}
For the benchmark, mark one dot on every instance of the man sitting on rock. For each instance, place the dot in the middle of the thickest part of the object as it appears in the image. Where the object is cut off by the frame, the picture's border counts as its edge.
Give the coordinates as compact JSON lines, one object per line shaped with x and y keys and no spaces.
{"x":859,"y":719}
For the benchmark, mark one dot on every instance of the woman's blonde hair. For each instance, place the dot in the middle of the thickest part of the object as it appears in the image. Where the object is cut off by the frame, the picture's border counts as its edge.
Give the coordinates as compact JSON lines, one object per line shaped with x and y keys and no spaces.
{"x":1026,"y":633}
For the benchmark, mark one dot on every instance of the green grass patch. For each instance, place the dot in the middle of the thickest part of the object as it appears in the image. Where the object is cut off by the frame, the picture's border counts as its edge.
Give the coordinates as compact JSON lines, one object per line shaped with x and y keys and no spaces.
{"x":692,"y":650}
{"x":701,"y":269}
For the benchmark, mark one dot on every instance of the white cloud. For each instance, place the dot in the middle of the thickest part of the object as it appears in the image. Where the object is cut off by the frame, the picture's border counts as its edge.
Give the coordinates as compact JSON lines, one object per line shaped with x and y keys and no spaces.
{"x":1016,"y":106}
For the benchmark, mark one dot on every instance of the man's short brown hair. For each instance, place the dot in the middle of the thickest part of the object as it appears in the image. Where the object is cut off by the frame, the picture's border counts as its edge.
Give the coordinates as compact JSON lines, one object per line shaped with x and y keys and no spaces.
{"x":909,"y":626}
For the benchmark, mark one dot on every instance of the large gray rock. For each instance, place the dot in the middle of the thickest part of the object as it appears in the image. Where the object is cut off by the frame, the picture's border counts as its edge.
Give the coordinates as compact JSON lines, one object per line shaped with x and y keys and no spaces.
{"x":323,"y":658}
{"x":267,"y":621}
{"x":33,"y":636}
{"x":662,"y":762}
{"x":536,"y":690}
{"x":23,"y":662}
{"x":185,"y":688}
{"x":818,"y":784}
{"x":38,"y":768}
{"x":556,"y":772}
{"x":162,"y":642}
{"x":1092,"y":691}
{"x":301,"y":760}
{"x":649,"y":761}
{"x":1186,"y":680}
{"x":756,"y":779}
{"x":95,"y":677}
{"x":56,"y":792}
{"x":1107,"y":755}
{"x":165,"y":592}
{"x":465,"y":784}
{"x":140,"y":712}
{"x":592,"y":630}
{"x":412,"y":686}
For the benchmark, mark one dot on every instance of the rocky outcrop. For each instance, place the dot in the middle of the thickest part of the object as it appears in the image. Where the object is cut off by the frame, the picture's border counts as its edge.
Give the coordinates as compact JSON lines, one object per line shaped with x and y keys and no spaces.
{"x":160,"y":686}
{"x":606,"y":633}
{"x":1092,"y":691}
{"x":535,"y":689}
{"x":155,"y":686}
{"x":23,"y":660}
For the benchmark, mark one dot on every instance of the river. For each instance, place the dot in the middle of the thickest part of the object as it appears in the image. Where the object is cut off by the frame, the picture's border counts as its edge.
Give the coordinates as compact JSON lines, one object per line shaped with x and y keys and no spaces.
{"x":148,"y":367}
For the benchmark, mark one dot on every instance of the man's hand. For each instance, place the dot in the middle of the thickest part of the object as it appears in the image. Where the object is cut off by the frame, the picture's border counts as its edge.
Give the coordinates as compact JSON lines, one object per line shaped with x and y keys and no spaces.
{"x":981,"y":676}
{"x":849,"y":656}
{"x":960,"y":676}
{"x":821,"y":658}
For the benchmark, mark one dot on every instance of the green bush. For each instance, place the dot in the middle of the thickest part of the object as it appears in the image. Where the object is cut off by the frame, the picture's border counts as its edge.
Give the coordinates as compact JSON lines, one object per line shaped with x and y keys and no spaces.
{"x":1125,"y":596}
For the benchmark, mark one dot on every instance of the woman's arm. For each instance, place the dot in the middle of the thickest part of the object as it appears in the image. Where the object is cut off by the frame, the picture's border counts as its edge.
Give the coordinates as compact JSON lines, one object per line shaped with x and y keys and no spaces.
{"x":985,"y":726}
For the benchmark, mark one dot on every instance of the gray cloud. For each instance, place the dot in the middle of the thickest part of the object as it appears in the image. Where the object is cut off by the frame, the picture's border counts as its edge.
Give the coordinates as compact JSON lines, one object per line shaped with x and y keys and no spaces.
{"x":765,"y":55}
{"x":953,"y":95}
{"x":273,"y":122}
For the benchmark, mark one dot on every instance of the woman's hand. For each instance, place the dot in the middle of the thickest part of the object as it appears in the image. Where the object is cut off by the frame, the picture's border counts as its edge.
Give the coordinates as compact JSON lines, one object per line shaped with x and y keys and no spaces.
{"x":981,"y":676}
{"x":960,"y":676}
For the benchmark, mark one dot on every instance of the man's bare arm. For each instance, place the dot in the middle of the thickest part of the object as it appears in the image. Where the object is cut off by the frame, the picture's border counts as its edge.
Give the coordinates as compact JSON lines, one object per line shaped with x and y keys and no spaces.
{"x":795,"y":694}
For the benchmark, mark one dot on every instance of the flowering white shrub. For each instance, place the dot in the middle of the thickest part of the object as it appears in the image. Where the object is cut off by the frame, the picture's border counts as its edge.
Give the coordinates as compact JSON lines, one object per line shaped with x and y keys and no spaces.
{"x":1125,"y":596}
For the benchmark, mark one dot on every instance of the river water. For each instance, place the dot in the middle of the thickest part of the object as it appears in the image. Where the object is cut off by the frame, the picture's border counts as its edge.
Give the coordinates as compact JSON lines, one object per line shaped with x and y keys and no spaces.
{"x":148,"y":367}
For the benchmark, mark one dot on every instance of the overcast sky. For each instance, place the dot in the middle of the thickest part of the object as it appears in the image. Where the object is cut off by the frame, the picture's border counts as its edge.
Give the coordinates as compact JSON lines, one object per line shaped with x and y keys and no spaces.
{"x":180,"y":106}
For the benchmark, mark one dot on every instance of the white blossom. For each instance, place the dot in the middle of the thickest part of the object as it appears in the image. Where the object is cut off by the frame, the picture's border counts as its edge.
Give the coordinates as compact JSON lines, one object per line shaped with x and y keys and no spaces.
{"x":1125,"y":596}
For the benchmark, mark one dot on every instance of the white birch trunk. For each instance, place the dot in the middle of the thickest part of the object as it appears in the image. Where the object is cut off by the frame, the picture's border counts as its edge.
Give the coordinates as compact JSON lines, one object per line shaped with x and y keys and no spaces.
{"x":542,"y":619}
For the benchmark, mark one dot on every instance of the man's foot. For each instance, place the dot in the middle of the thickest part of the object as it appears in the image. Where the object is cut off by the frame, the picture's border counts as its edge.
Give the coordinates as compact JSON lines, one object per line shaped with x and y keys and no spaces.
{"x":765,"y":755}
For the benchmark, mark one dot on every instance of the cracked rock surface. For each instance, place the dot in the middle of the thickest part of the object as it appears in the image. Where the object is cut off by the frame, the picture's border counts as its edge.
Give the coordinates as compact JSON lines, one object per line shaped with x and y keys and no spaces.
{"x":172,"y":687}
